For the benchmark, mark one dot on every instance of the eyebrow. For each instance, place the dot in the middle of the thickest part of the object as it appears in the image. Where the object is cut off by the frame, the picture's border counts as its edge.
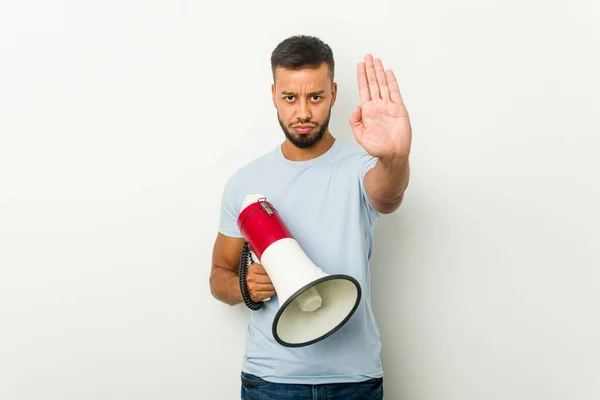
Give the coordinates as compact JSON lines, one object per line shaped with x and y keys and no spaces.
{"x":310,"y":94}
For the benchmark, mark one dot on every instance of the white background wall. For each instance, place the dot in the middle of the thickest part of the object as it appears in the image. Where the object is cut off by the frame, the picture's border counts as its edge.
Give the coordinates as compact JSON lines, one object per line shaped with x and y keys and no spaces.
{"x":121,"y":120}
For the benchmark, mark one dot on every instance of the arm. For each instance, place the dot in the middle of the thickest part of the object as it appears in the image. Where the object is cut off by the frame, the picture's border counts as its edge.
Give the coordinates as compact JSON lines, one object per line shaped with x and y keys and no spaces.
{"x":223,"y":281}
{"x":224,"y":274}
{"x":381,"y":125}
{"x":386,"y":182}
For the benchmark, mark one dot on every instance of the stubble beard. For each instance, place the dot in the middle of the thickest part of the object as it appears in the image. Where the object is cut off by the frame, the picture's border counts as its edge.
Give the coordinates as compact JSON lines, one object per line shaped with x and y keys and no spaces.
{"x":308,"y":140}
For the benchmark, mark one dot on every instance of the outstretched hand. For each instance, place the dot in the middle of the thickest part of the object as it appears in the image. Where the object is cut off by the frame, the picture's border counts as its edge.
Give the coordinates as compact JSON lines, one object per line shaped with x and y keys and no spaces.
{"x":380,"y":124}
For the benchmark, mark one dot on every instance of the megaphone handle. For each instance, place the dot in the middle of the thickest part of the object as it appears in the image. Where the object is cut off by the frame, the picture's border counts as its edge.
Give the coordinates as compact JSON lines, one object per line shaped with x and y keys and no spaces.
{"x":256,"y":260}
{"x":246,"y":259}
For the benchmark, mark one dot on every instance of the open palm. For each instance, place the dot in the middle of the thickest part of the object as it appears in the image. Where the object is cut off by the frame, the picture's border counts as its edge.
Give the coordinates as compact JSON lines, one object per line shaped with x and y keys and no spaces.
{"x":380,"y":124}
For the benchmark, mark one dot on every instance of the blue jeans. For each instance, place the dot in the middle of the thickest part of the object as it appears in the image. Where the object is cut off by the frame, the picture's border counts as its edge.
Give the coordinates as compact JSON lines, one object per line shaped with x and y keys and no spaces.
{"x":255,"y":388}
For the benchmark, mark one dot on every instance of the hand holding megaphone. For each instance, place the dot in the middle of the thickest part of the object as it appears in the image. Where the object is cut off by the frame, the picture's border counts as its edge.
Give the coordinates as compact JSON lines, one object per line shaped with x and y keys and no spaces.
{"x":260,"y":287}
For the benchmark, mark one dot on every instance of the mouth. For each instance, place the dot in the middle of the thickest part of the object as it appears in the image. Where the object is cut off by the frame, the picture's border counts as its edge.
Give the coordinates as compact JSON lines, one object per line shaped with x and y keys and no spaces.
{"x":303,"y":129}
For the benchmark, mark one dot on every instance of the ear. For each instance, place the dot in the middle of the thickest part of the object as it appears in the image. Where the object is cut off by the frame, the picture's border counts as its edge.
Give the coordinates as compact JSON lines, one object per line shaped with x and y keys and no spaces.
{"x":333,"y":93}
{"x":273,"y":95}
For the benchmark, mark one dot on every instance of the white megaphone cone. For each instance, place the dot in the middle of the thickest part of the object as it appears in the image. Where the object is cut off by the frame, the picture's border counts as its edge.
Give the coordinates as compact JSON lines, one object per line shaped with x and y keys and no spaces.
{"x":312,"y":304}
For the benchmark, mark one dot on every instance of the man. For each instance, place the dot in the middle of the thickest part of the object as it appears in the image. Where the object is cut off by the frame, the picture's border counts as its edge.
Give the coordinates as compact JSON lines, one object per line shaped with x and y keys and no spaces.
{"x":329,"y":195}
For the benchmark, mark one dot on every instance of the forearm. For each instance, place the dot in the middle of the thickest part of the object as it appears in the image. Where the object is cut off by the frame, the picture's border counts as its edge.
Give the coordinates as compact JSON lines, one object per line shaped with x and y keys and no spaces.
{"x":386,"y":182}
{"x":225,"y":286}
{"x":390,"y":179}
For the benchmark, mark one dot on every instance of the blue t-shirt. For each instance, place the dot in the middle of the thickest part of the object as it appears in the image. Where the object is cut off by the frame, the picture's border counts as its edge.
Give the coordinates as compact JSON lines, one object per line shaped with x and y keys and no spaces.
{"x":323,"y":204}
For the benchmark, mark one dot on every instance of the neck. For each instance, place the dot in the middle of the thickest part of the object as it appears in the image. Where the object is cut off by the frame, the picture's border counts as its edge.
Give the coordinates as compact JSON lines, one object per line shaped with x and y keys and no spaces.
{"x":293,"y":153}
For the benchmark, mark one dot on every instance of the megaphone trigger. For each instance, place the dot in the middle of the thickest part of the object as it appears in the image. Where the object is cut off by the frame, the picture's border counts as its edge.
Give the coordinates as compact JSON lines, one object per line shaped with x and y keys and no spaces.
{"x":254,"y":258}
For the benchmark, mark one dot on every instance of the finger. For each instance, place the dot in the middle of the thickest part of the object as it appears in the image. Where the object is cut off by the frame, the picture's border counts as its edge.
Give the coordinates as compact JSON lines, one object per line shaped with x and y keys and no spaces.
{"x":262,"y":279}
{"x":257,"y":269}
{"x":381,"y":79}
{"x":259,"y":296}
{"x":356,"y":117}
{"x":371,"y":78}
{"x":261,"y":287}
{"x":394,"y":88}
{"x":267,"y":291}
{"x":363,"y":86}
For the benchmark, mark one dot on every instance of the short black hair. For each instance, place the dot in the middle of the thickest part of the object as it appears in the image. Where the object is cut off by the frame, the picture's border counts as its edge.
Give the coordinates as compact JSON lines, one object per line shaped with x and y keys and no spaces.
{"x":302,"y":51}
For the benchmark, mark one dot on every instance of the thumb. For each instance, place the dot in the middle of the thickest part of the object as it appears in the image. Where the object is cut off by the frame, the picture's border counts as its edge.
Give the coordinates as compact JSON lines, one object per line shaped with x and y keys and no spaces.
{"x":356,"y":117}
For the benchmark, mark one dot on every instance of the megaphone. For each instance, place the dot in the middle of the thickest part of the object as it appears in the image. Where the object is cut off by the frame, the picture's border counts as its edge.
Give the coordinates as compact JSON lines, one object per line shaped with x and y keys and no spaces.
{"x":312,"y":304}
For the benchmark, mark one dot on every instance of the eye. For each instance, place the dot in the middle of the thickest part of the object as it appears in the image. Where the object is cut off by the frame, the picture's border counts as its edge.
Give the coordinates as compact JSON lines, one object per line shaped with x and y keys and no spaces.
{"x":316,"y":97}
{"x":289,"y":98}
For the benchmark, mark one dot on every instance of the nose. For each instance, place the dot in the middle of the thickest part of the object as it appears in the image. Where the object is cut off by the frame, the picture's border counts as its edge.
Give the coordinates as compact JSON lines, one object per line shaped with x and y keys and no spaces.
{"x":303,"y":112}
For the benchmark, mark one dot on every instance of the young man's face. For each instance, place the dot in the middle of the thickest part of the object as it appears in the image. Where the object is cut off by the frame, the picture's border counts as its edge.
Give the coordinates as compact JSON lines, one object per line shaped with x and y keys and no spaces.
{"x":303,"y":99}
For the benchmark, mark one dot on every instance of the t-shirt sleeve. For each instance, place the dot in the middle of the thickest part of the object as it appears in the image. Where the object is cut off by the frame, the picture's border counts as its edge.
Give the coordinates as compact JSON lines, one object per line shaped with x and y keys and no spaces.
{"x":365,"y":163}
{"x":230,"y":209}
